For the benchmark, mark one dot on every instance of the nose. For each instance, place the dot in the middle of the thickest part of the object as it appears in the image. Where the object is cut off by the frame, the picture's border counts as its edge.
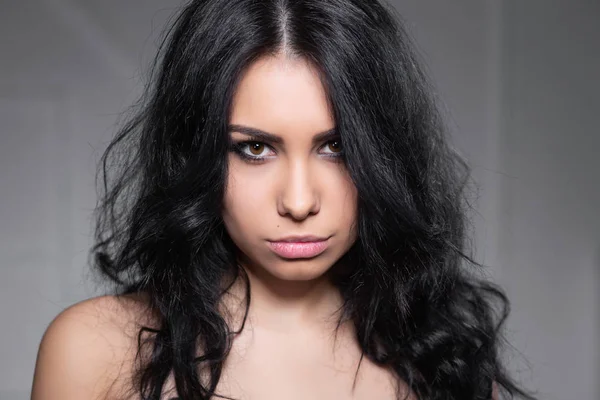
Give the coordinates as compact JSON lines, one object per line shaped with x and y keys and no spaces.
{"x":298,"y":195}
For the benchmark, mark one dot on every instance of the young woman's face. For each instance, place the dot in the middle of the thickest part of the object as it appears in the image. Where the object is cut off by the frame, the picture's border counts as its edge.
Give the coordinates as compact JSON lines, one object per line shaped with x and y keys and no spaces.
{"x":290,"y":205}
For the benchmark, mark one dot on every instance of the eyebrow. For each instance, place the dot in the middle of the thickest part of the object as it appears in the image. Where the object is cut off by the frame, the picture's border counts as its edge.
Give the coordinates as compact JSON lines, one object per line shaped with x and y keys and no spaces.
{"x":272,"y":138}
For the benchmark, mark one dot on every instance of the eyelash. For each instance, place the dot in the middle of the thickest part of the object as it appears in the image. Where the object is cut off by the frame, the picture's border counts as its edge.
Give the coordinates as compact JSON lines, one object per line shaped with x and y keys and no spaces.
{"x":239,"y":146}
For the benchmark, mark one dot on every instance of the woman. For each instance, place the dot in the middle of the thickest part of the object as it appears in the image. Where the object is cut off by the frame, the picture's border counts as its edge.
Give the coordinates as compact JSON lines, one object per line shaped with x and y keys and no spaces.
{"x":283,"y":219}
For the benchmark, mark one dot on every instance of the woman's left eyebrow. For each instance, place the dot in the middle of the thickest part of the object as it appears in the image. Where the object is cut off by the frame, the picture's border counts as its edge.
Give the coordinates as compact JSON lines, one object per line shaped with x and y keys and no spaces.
{"x":272,"y":138}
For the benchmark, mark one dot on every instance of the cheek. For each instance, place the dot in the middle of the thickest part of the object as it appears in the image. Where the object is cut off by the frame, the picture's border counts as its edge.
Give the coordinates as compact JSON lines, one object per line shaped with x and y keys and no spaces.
{"x":345,"y":194}
{"x":245,"y":202}
{"x":350,"y":198}
{"x":342,"y":202}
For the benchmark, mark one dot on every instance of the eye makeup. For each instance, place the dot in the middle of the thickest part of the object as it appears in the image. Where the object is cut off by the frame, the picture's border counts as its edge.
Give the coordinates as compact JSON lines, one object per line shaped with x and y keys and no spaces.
{"x":245,"y":148}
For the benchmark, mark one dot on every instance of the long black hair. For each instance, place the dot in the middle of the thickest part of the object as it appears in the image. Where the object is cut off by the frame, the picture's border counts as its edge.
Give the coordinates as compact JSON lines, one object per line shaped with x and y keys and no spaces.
{"x":417,"y":300}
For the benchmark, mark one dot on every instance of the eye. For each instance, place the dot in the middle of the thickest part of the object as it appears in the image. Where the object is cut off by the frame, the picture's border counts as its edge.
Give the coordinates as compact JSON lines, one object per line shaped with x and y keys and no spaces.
{"x":256,"y":148}
{"x":333,"y":147}
{"x":253,"y":151}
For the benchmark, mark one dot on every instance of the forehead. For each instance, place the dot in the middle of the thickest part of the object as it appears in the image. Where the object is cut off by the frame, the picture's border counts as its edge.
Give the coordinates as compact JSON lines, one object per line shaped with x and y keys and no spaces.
{"x":282,"y":95}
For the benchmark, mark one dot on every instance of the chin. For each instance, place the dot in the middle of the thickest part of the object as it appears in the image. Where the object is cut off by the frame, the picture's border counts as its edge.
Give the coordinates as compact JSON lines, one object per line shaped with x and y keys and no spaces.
{"x":299,"y":269}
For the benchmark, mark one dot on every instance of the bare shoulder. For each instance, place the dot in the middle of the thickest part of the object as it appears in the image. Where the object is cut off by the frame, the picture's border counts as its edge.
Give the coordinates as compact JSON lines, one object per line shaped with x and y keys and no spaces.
{"x":88,"y":350}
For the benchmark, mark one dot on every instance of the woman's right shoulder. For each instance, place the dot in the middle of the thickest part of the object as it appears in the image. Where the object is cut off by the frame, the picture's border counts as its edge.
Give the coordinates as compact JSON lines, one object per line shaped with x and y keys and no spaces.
{"x":89,"y":349}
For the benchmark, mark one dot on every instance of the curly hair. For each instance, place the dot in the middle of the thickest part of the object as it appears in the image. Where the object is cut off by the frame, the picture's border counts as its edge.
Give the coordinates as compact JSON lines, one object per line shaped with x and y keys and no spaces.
{"x":407,"y":283}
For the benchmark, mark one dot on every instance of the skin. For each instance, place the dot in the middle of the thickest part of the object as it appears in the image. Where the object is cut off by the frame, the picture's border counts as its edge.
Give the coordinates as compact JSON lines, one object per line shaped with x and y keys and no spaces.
{"x":288,"y":349}
{"x":299,"y":187}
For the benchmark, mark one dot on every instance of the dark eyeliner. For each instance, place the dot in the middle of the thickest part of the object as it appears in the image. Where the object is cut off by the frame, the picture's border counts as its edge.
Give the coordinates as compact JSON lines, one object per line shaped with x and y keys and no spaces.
{"x":237,"y":147}
{"x":337,"y":157}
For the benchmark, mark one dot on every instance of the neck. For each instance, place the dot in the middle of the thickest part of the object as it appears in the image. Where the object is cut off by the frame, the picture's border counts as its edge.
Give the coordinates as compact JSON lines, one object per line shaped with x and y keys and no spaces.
{"x":284,"y":306}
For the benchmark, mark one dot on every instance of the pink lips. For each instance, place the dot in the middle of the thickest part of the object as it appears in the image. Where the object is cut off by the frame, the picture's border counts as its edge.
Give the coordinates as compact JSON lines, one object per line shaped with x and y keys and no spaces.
{"x":300,"y":247}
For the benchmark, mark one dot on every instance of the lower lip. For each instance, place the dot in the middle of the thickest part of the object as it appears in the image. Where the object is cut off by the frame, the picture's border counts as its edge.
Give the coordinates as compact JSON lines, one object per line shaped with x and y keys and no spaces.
{"x":298,"y":249}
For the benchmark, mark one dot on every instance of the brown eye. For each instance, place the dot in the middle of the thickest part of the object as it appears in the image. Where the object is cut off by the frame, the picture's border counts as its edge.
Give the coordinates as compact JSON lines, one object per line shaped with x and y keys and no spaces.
{"x":256,"y":148}
{"x":335,"y":146}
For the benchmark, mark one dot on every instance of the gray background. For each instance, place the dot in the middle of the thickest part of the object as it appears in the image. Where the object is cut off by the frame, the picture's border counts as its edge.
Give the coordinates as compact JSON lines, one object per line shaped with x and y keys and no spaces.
{"x":519,"y":81}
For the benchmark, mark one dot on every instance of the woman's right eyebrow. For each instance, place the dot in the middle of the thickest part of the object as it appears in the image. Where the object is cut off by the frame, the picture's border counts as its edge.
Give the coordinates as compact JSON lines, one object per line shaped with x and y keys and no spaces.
{"x":272,"y":138}
{"x":256,"y":133}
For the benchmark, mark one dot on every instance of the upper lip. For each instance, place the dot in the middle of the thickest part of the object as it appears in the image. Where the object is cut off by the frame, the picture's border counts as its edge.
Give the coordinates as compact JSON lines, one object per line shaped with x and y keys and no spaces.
{"x":300,"y":239}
